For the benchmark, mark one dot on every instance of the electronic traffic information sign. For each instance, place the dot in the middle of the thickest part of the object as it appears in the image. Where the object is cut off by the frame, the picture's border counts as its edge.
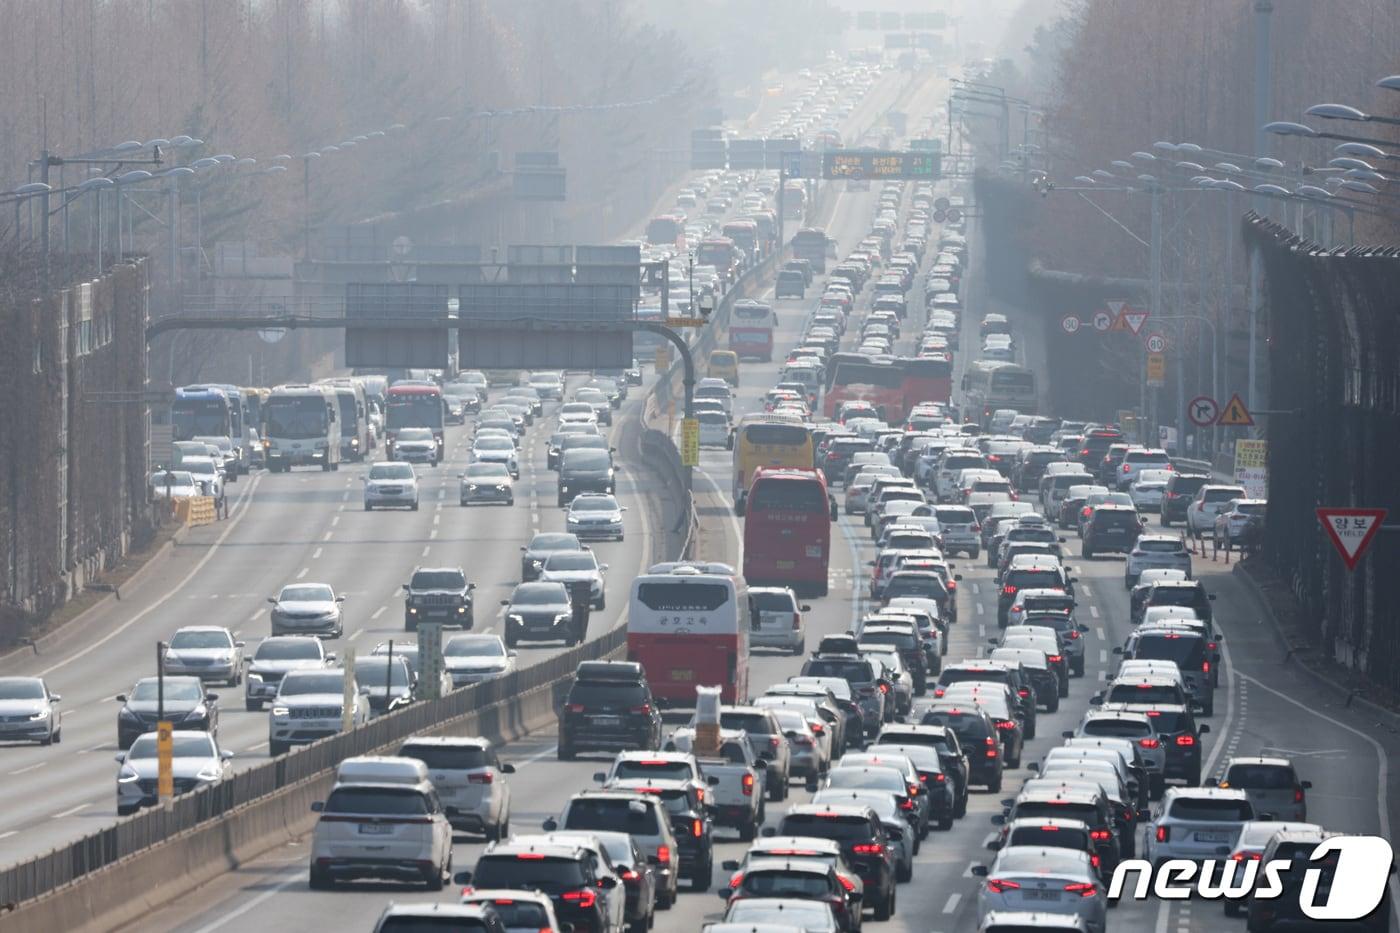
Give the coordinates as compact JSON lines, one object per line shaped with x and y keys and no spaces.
{"x":877,"y":164}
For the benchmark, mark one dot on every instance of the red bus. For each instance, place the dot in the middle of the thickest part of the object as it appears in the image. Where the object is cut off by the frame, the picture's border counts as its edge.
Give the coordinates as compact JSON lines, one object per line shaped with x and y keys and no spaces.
{"x":413,"y":405}
{"x":787,"y":530}
{"x":687,"y":629}
{"x":751,"y":326}
{"x":665,"y":230}
{"x":721,"y":253}
{"x":893,"y":386}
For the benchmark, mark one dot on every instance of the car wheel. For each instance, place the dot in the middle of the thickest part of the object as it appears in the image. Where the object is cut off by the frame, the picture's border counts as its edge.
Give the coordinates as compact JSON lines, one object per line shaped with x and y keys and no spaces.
{"x":410,"y":624}
{"x":414,"y":507}
{"x":994,"y":785}
{"x":1166,"y":522}
{"x":1087,"y":552}
{"x":972,"y":554}
{"x":125,"y":809}
{"x":701,"y":881}
{"x":276,"y":748}
{"x":885,"y":909}
{"x":566,"y":752}
{"x":640,"y":925}
{"x":1077,"y":668}
{"x":436,"y":882}
{"x":749,"y":831}
{"x":1053,"y":706}
{"x":945,"y":824}
{"x":368,"y":507}
{"x":253,"y":706}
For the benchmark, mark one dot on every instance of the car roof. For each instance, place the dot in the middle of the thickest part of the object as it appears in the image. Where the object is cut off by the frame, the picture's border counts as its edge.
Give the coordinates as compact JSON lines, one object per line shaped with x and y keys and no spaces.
{"x":1204,"y":793}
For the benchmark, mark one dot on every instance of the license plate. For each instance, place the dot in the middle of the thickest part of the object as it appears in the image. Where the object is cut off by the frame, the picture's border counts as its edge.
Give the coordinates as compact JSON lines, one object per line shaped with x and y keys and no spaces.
{"x":607,"y":720}
{"x":814,"y":550}
{"x":1212,"y":837}
{"x":686,"y":676}
{"x":375,"y":829}
{"x":1035,"y":894}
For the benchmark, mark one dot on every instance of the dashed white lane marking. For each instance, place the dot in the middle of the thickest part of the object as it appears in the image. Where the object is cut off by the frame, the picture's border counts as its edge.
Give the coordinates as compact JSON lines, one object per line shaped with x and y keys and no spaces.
{"x":316,"y":554}
{"x":71,"y":810}
{"x":426,"y":549}
{"x":377,"y":613}
{"x":432,"y":535}
{"x":303,"y":572}
{"x":437,"y":518}
{"x":975,"y":588}
{"x":1094,"y":611}
{"x":1098,"y":633}
{"x":335,"y":520}
{"x":7,"y":835}
{"x":980,"y":610}
{"x":952,"y":903}
{"x":255,"y":616}
{"x":1103,"y":656}
{"x":327,"y":536}
{"x":1084,"y":588}
{"x":33,"y":767}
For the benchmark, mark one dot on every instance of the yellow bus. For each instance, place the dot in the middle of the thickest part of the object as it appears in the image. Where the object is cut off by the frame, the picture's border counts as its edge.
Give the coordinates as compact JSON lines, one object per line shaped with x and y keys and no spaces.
{"x":769,"y":440}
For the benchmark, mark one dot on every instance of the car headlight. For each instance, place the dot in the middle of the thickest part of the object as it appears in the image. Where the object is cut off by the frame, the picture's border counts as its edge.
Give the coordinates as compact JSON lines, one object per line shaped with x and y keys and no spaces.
{"x":254,"y":678}
{"x":127,"y":776}
{"x":516,"y":618}
{"x":562,"y":617}
{"x":281,"y":711}
{"x":42,"y":714}
{"x":199,"y":712}
{"x":471,"y":487}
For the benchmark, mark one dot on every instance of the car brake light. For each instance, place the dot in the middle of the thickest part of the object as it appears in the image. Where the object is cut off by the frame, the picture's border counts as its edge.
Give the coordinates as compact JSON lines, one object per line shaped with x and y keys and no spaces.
{"x":1023,"y":693}
{"x":629,"y":875}
{"x":818,"y":728}
{"x":1149,"y":743}
{"x":1163,"y":833}
{"x":748,"y":785}
{"x":868,"y":848}
{"x":1001,"y":885}
{"x":1082,"y":888}
{"x":1126,"y":468}
{"x":734,"y":881}
{"x":663,"y":853}
{"x":1099,"y":835}
{"x":1008,"y":590}
{"x":1095,"y":861}
{"x":582,"y":899}
{"x":1246,"y":857}
{"x":884,"y":688}
{"x":1186,"y":740}
{"x":1297,"y":795}
{"x":1054,"y":658}
{"x":697,"y":829}
{"x":940,"y":778}
{"x":530,"y":857}
{"x":643,"y":709}
{"x":485,"y":777}
{"x":906,"y":804}
{"x":1205,"y":666}
{"x":574,"y":708}
{"x":796,"y":621}
{"x":846,"y":883}
{"x":1073,"y":634}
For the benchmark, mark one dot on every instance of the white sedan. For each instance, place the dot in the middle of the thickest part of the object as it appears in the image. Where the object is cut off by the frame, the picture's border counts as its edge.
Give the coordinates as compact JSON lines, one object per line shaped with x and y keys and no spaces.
{"x":1048,"y":880}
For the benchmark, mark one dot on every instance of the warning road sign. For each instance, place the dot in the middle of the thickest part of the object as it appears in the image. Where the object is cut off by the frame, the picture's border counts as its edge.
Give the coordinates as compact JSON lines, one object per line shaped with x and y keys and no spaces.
{"x":1070,"y":323}
{"x":1202,"y":411}
{"x":1235,"y":414}
{"x":1156,"y":343}
{"x":1351,"y":530}
{"x":1115,"y":313}
{"x":1102,"y":321}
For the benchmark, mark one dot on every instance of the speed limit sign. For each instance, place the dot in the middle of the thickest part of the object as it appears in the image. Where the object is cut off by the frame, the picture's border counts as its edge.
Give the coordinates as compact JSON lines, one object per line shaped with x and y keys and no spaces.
{"x":1156,"y":343}
{"x":1070,"y":324}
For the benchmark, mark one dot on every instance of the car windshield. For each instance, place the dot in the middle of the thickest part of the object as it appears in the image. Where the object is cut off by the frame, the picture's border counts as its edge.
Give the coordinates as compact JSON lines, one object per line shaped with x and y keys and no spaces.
{"x":539,"y":594}
{"x":288,"y":649}
{"x":298,"y":684}
{"x":1260,"y":777}
{"x":374,"y":671}
{"x":187,"y":640}
{"x":487,"y":471}
{"x":21,"y":689}
{"x":583,"y":459}
{"x":391,"y":471}
{"x":185,"y":745}
{"x":575,"y":560}
{"x":554,"y":542}
{"x":493,"y":443}
{"x":179,"y":690}
{"x":528,"y":872}
{"x":594,"y":504}
{"x":438,"y":580}
{"x":306,"y":593}
{"x":415,"y":434}
{"x":380,"y":801}
{"x":474,"y":646}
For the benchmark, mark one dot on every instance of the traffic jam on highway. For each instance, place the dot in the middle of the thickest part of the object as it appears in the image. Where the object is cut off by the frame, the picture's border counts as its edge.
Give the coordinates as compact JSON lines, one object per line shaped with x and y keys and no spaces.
{"x":945,"y":663}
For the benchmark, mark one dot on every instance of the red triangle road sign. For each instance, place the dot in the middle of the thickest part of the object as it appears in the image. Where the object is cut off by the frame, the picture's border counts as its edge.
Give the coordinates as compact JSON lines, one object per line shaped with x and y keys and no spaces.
{"x":1351,"y":530}
{"x":1134,"y":319}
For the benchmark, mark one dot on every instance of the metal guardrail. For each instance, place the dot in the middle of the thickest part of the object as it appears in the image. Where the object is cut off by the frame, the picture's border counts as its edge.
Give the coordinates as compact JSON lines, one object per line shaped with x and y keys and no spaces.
{"x":38,"y":875}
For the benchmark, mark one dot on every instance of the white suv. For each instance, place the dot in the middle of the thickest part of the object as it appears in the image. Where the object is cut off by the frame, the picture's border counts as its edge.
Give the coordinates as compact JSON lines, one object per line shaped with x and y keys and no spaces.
{"x":1156,"y":552}
{"x":1138,"y":459}
{"x":308,"y":707}
{"x":381,"y":830}
{"x":1209,"y":499}
{"x":1198,"y":823}
{"x":469,"y":779}
{"x":391,"y":483}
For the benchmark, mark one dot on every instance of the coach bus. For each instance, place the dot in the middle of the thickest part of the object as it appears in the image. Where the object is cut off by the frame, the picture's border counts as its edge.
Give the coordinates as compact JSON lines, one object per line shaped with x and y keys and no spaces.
{"x":687,"y":629}
{"x":413,"y":405}
{"x":893,"y":386}
{"x":987,"y":387}
{"x":302,"y":428}
{"x":354,"y":416}
{"x":751,"y":326}
{"x":787,"y":530}
{"x":768,"y":440}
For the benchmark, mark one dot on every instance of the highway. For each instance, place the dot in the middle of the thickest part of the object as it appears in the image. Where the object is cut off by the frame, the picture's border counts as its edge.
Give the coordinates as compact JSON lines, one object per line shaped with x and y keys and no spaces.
{"x":309,"y":525}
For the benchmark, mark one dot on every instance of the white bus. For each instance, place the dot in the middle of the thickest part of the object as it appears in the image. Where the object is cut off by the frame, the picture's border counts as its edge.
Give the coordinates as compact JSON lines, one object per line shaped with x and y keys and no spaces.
{"x":353,"y":413}
{"x":988,"y":386}
{"x":302,"y":428}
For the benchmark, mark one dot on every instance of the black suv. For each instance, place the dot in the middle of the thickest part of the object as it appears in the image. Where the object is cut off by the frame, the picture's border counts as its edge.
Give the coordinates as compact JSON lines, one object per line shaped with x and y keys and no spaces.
{"x":1034,"y":573}
{"x":977,"y":735}
{"x":609,"y":707}
{"x":1046,"y":797}
{"x":533,"y":555}
{"x":438,"y":594}
{"x":685,"y":807}
{"x":950,"y":754}
{"x":584,"y":470}
{"x":571,"y":875}
{"x":1096,"y":444}
{"x":863,"y":842}
{"x":1111,"y":528}
{"x":1181,"y":489}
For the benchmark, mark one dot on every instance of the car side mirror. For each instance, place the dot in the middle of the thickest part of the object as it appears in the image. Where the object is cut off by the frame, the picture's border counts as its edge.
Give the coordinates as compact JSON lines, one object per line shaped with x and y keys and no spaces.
{"x":507,"y":768}
{"x":330,"y":656}
{"x":120,"y":698}
{"x":1203,"y":729}
{"x":1306,"y":785}
{"x":406,"y":587}
{"x":237,"y":644}
{"x":512,"y":653}
{"x":958,"y":577}
{"x":340,"y":599}
{"x":1067,"y":734}
{"x":550,"y":824}
{"x":1118,"y":649}
{"x":1210,"y":596}
{"x":505,"y":602}
{"x":768,"y":832}
{"x":730,"y":864}
{"x":211,"y":698}
{"x":739,"y":507}
{"x":1096,"y":699}
{"x":318,"y":806}
{"x":272,"y":599}
{"x":999,"y":819}
{"x":712,"y":780}
{"x":462,"y":877}
{"x":607,"y":882}
{"x":600,"y":777}
{"x":1033,"y":767}
{"x":226,"y":755}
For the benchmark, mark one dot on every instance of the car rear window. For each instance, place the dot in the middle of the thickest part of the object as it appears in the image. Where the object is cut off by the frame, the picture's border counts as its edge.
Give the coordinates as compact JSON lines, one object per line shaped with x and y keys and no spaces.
{"x":653,"y":770}
{"x":1222,"y":495}
{"x":550,"y":875}
{"x":1117,"y":728}
{"x":380,"y":801}
{"x":1144,"y":693}
{"x":1115,"y":519}
{"x":1186,"y":650}
{"x":771,"y":602}
{"x":955,"y":515}
{"x":1211,"y":809}
{"x":803,"y":885}
{"x":446,"y":757}
{"x":957,"y":676}
{"x":1260,"y":777}
{"x":971,"y":728}
{"x":1169,"y":722}
{"x":614,"y":814}
{"x":1032,"y":579}
{"x":1160,"y":547}
{"x":752,"y":723}
{"x":1053,"y":808}
{"x":1056,"y":603}
{"x":1058,"y":837}
{"x":522,"y":914}
{"x":594,"y":693}
{"x":835,"y":827}
{"x":851,"y":671}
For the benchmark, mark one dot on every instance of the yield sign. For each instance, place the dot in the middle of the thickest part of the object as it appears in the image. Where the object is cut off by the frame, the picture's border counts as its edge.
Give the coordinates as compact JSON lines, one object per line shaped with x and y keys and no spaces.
{"x":1134,"y":319}
{"x":1351,"y":530}
{"x":1235,"y":414}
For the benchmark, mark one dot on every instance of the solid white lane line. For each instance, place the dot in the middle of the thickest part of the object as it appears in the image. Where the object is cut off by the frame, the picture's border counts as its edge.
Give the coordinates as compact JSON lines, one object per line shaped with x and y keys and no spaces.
{"x":71,"y":810}
{"x":33,"y":767}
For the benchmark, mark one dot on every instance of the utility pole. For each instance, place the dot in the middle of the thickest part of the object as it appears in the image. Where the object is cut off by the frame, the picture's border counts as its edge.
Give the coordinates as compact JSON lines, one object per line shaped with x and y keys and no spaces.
{"x":1155,"y":274}
{"x":1263,"y":90}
